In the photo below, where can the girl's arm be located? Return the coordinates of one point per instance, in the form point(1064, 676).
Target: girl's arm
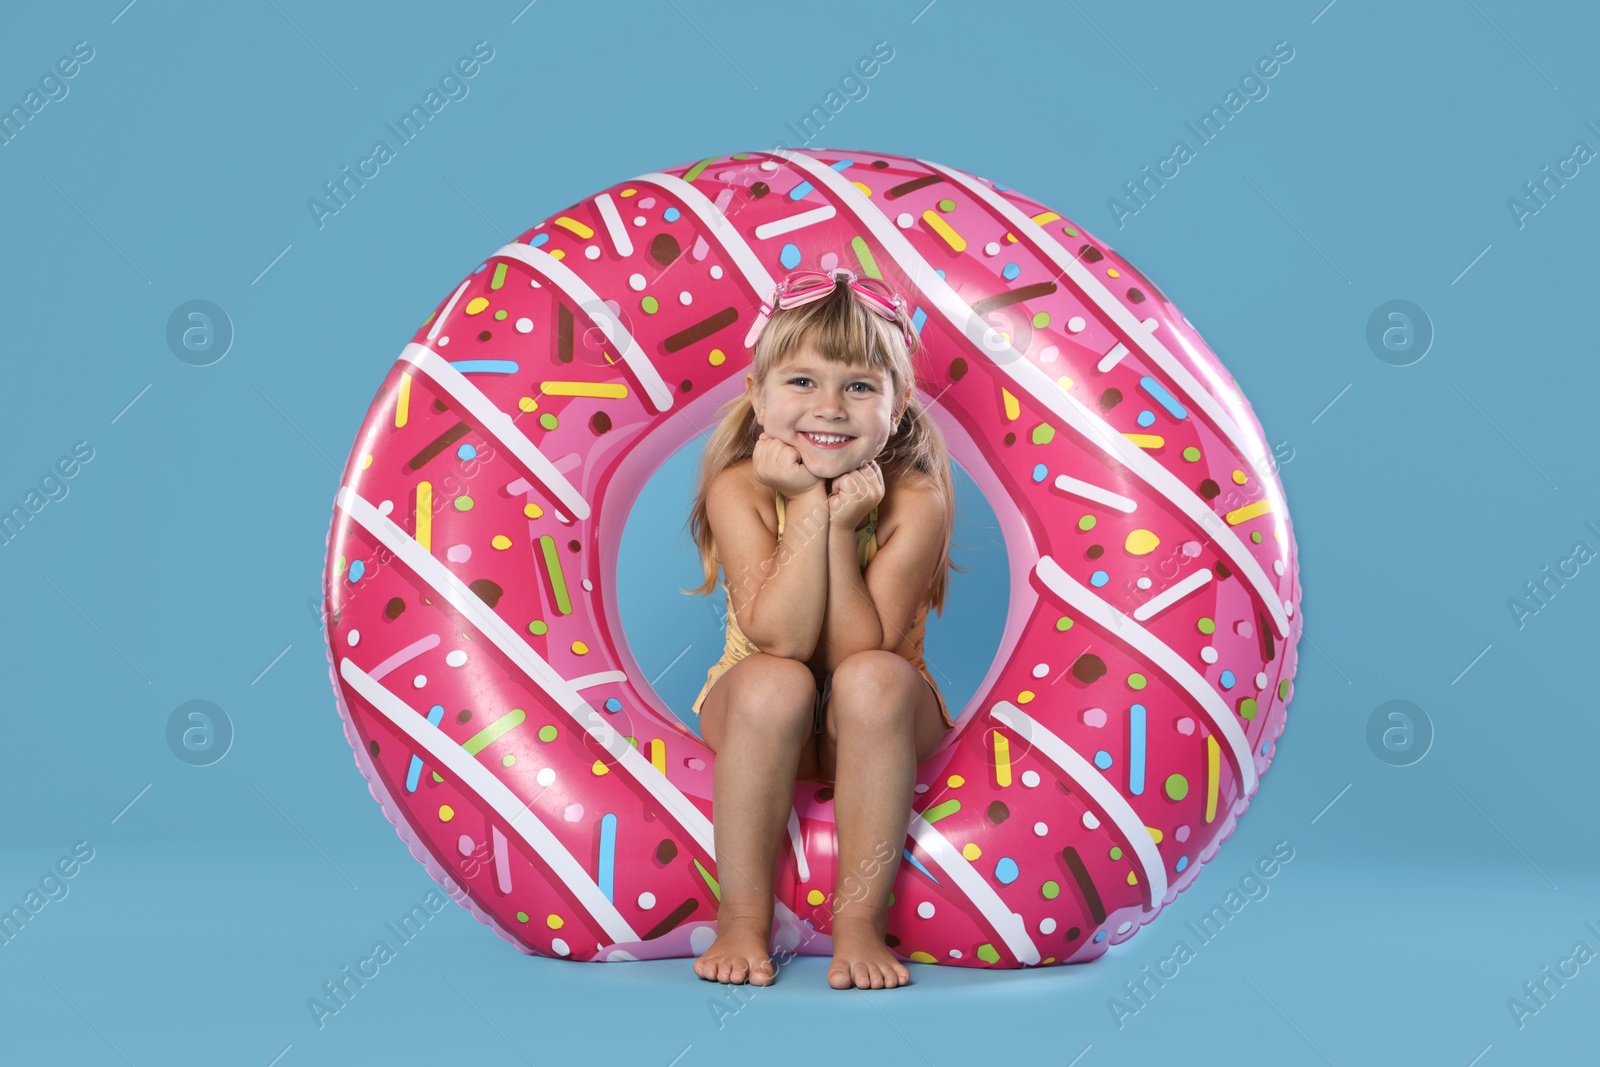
point(777, 587)
point(850, 619)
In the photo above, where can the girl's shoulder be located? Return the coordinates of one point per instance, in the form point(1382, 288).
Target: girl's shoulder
point(738, 478)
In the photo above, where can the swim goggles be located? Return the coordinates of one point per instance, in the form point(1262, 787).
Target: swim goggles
point(802, 287)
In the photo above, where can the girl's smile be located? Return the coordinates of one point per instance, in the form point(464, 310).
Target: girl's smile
point(837, 415)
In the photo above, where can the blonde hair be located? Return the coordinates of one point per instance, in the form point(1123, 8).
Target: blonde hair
point(843, 332)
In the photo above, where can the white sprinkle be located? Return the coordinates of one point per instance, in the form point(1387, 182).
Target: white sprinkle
point(716, 271)
point(1075, 324)
point(386, 507)
point(546, 776)
point(1047, 926)
point(592, 252)
point(1288, 608)
point(647, 901)
point(1040, 828)
point(456, 658)
point(1030, 778)
point(1049, 354)
point(638, 220)
point(560, 947)
point(685, 298)
point(992, 248)
point(1125, 927)
point(524, 325)
point(925, 909)
point(636, 282)
point(921, 788)
point(573, 812)
point(1208, 654)
point(443, 341)
point(768, 164)
point(419, 681)
point(588, 586)
point(354, 638)
point(1277, 567)
point(1041, 669)
point(903, 220)
point(1143, 583)
point(1091, 821)
point(955, 954)
point(1261, 680)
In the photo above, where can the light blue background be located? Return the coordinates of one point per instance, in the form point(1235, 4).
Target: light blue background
point(1377, 167)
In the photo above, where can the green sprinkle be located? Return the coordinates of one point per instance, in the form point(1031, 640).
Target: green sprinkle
point(547, 733)
point(650, 304)
point(1041, 319)
point(537, 626)
point(1086, 523)
point(1247, 708)
point(1191, 453)
point(1063, 623)
point(1136, 681)
point(1051, 890)
point(463, 503)
point(499, 278)
point(947, 205)
point(940, 811)
point(1043, 433)
point(1205, 625)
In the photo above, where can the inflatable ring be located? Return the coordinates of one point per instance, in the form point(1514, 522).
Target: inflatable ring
point(474, 640)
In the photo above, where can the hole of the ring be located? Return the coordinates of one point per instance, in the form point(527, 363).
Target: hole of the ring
point(675, 638)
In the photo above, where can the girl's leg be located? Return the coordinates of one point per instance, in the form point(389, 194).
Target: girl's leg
point(757, 718)
point(883, 720)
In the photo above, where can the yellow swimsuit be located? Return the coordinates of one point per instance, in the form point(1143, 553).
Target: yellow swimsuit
point(739, 646)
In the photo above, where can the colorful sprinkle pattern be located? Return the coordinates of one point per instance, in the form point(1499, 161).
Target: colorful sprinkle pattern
point(471, 570)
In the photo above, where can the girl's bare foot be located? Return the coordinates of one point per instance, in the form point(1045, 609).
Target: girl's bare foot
point(861, 959)
point(738, 954)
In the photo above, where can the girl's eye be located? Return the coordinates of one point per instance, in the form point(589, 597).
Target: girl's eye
point(803, 378)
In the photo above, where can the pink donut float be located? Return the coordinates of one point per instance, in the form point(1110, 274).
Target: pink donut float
point(475, 647)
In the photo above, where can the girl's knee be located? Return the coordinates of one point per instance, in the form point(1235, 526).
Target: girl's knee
point(774, 692)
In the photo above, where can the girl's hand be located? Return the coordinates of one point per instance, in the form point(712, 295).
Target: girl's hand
point(777, 465)
point(855, 493)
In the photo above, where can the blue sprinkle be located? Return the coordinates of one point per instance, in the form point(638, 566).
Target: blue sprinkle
point(940, 273)
point(480, 268)
point(671, 214)
point(466, 452)
point(1263, 748)
point(1040, 471)
point(357, 569)
point(485, 366)
point(1147, 418)
point(907, 853)
point(1183, 861)
point(998, 187)
point(790, 256)
point(414, 770)
point(1006, 870)
point(1159, 394)
point(918, 317)
point(1101, 936)
point(1102, 759)
point(799, 191)
point(613, 704)
point(1227, 679)
point(1011, 271)
point(539, 240)
point(844, 164)
point(1099, 578)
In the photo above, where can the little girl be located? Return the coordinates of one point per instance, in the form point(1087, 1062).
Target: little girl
point(824, 467)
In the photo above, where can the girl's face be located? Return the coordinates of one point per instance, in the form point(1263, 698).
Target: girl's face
point(806, 394)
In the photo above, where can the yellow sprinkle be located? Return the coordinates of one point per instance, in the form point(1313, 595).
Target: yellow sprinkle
point(446, 813)
point(1013, 409)
point(1133, 879)
point(580, 648)
point(403, 406)
point(476, 304)
point(1146, 440)
point(424, 534)
point(815, 897)
point(971, 851)
point(501, 541)
point(528, 403)
point(575, 226)
point(533, 511)
point(955, 781)
point(1240, 477)
point(366, 461)
point(1248, 512)
point(1002, 759)
point(560, 253)
point(1141, 542)
point(956, 242)
point(1155, 835)
point(1025, 697)
point(862, 186)
point(658, 754)
point(1045, 217)
point(555, 922)
point(717, 357)
point(1065, 382)
point(604, 390)
point(600, 768)
point(920, 956)
point(1112, 272)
